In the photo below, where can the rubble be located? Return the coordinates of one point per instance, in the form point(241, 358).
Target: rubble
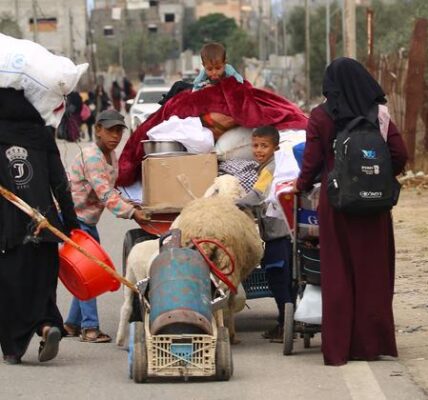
point(412, 180)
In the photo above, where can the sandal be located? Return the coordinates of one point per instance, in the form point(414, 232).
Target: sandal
point(49, 346)
point(72, 330)
point(93, 335)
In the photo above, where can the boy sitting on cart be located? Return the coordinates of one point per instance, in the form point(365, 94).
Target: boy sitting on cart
point(277, 258)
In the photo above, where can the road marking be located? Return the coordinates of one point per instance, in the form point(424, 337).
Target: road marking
point(361, 382)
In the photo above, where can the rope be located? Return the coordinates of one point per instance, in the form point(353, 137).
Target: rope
point(217, 272)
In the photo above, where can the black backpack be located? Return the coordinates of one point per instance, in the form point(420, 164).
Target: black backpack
point(362, 180)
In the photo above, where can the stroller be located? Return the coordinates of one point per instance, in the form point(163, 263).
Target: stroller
point(301, 217)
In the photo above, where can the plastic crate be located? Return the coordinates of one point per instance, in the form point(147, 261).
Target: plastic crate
point(181, 355)
point(256, 285)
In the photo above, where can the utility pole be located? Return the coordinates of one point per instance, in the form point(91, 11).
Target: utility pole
point(307, 55)
point(261, 33)
point(327, 33)
point(284, 25)
point(70, 34)
point(35, 24)
point(349, 29)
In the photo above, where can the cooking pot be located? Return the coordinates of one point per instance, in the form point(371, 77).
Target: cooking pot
point(162, 146)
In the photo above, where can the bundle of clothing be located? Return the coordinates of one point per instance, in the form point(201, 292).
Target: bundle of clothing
point(248, 106)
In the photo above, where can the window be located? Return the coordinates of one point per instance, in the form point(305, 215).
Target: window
point(108, 30)
point(169, 17)
point(43, 24)
point(153, 28)
point(153, 3)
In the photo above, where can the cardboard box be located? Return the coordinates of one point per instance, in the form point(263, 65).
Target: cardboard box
point(169, 182)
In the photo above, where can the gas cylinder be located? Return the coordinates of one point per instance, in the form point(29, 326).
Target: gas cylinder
point(180, 289)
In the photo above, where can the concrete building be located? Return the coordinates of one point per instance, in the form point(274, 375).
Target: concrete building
point(61, 25)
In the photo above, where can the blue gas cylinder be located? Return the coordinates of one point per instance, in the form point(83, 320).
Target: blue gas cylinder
point(180, 292)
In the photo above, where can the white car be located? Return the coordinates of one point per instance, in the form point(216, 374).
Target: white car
point(145, 103)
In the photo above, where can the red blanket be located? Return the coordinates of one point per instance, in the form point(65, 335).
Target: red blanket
point(250, 107)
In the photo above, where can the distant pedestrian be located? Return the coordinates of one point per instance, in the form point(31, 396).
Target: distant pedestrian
point(116, 96)
point(102, 101)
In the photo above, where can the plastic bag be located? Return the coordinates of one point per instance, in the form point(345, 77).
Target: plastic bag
point(85, 113)
point(309, 309)
point(188, 131)
point(45, 78)
point(236, 143)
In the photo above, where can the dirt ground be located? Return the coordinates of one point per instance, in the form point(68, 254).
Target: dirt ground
point(411, 290)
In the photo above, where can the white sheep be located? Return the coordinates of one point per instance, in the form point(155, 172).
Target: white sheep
point(214, 217)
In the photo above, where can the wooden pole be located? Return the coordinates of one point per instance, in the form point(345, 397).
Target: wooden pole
point(415, 84)
point(43, 223)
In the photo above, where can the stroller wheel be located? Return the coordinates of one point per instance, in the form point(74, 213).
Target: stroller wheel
point(307, 340)
point(288, 328)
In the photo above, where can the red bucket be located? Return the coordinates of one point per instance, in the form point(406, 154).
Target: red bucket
point(84, 278)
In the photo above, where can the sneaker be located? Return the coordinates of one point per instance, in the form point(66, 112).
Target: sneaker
point(275, 334)
point(12, 359)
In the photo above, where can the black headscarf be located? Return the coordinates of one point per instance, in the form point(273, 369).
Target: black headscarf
point(350, 90)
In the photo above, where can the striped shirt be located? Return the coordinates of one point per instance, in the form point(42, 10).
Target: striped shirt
point(92, 186)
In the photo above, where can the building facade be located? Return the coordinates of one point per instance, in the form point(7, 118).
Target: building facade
point(58, 25)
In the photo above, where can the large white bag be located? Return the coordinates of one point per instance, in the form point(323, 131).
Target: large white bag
point(44, 77)
point(309, 309)
point(236, 143)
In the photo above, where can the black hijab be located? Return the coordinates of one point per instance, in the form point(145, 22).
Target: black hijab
point(350, 90)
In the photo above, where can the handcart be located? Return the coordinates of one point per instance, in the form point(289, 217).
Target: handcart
point(180, 335)
point(300, 214)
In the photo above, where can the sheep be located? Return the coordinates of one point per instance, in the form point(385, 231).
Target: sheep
point(137, 267)
point(213, 216)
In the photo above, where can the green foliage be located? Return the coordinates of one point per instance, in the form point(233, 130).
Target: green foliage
point(107, 53)
point(211, 28)
point(148, 50)
point(239, 45)
point(10, 27)
point(393, 26)
point(157, 48)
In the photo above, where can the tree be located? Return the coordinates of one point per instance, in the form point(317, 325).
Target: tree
point(10, 27)
point(240, 45)
point(393, 26)
point(211, 28)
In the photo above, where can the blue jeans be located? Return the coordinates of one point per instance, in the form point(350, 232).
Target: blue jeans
point(84, 314)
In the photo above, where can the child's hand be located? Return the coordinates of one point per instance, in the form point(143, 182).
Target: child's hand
point(140, 216)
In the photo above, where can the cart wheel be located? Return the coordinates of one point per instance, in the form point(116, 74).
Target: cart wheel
point(223, 355)
point(288, 328)
point(132, 237)
point(138, 354)
point(307, 340)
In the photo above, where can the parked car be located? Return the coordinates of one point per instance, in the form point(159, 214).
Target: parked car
point(146, 102)
point(151, 80)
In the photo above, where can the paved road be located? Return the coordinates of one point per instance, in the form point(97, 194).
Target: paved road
point(99, 371)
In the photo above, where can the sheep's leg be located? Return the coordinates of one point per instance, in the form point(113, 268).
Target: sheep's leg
point(231, 321)
point(126, 309)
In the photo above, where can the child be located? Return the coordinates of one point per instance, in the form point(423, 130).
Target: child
point(213, 56)
point(93, 175)
point(277, 256)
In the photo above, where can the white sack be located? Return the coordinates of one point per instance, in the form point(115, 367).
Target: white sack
point(309, 309)
point(188, 131)
point(236, 143)
point(44, 77)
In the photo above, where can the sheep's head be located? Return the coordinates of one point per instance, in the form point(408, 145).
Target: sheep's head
point(226, 186)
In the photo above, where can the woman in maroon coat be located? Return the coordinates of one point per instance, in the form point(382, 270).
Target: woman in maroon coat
point(357, 252)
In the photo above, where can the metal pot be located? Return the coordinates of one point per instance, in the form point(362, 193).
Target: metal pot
point(162, 146)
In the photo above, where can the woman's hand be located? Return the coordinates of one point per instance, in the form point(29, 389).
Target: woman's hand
point(294, 187)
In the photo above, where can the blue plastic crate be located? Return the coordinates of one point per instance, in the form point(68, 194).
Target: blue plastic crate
point(256, 285)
